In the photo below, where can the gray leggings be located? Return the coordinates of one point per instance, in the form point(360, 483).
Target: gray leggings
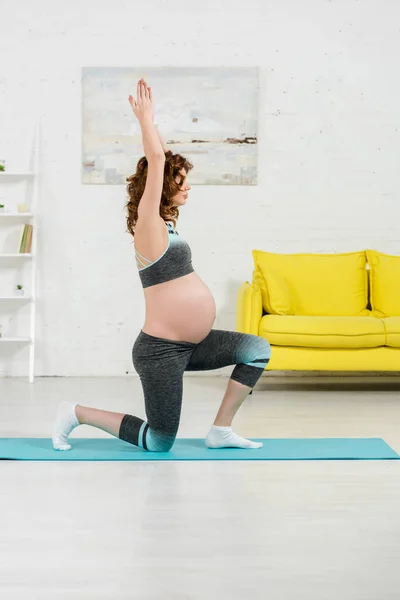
point(161, 363)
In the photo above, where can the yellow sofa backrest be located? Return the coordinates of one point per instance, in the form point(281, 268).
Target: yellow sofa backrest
point(385, 283)
point(312, 284)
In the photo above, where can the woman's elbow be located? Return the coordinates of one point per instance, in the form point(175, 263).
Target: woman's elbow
point(156, 157)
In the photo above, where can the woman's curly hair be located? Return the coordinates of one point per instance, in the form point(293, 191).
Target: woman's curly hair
point(137, 182)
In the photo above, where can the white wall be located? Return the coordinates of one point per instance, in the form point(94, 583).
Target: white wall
point(328, 151)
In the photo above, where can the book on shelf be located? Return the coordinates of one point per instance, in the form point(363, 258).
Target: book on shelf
point(28, 247)
point(23, 239)
point(26, 240)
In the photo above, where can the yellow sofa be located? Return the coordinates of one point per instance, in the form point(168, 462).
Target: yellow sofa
point(331, 312)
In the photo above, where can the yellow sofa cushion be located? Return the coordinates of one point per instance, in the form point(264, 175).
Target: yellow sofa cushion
point(275, 292)
point(385, 283)
point(323, 332)
point(285, 358)
point(312, 284)
point(392, 327)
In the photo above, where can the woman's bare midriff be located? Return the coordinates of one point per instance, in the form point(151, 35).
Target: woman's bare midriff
point(181, 309)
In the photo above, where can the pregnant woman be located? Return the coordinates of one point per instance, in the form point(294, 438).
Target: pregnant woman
point(177, 334)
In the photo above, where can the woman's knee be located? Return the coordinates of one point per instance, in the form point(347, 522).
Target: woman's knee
point(258, 349)
point(264, 347)
point(156, 441)
point(137, 432)
point(163, 447)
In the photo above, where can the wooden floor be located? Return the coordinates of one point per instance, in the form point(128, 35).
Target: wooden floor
point(318, 530)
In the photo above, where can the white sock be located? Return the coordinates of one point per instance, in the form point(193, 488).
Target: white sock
point(66, 421)
point(224, 437)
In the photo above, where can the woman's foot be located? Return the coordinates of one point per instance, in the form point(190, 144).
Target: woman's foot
point(224, 437)
point(66, 421)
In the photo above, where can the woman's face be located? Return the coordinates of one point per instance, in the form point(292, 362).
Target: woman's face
point(180, 198)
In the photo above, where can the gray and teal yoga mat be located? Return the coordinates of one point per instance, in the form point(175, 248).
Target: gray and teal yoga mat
point(113, 449)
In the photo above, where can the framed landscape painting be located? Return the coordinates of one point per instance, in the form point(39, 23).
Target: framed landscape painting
point(209, 115)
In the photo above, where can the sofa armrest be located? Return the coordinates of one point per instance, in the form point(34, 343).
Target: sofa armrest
point(248, 308)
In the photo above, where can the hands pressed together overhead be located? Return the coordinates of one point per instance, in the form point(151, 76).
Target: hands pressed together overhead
point(142, 106)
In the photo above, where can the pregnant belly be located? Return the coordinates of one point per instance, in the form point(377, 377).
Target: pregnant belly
point(182, 309)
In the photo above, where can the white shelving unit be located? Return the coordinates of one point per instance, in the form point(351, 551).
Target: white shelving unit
point(15, 215)
point(19, 256)
point(7, 178)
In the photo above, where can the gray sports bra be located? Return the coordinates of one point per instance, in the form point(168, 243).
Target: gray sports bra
point(174, 262)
